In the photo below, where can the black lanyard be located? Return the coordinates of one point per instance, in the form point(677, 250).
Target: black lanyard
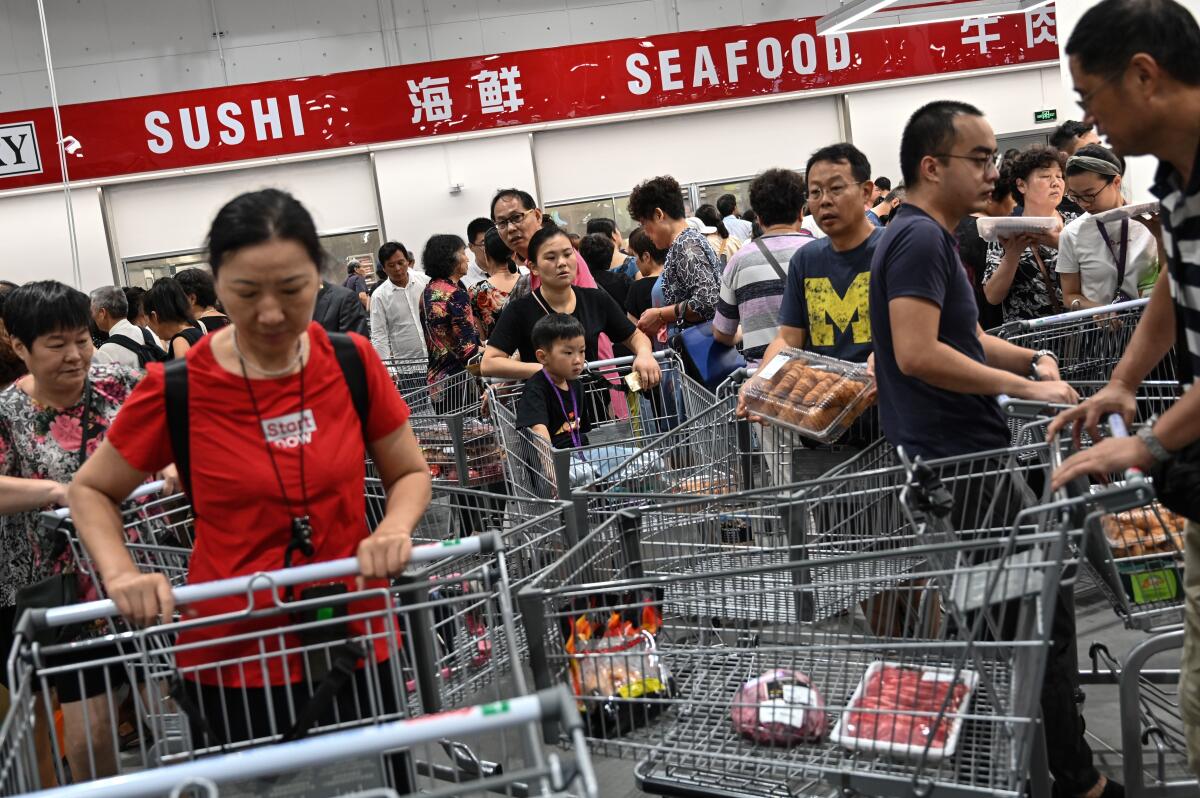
point(84, 418)
point(576, 439)
point(1124, 251)
point(302, 531)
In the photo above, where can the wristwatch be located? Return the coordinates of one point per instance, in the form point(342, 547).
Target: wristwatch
point(1038, 355)
point(1157, 450)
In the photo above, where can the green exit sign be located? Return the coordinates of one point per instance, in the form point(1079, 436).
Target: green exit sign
point(1049, 115)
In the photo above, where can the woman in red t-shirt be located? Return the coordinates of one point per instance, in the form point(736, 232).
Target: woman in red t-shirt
point(274, 438)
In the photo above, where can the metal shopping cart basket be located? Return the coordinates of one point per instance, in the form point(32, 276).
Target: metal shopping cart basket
point(684, 628)
point(271, 771)
point(352, 657)
point(1088, 343)
point(409, 375)
point(453, 425)
point(624, 423)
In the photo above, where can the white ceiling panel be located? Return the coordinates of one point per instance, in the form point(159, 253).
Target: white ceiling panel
point(489, 9)
point(12, 95)
point(258, 22)
point(36, 88)
point(344, 17)
point(169, 73)
point(414, 45)
point(89, 83)
point(342, 53)
point(265, 62)
point(526, 32)
point(456, 40)
point(150, 28)
point(618, 21)
point(444, 11)
point(698, 14)
point(78, 32)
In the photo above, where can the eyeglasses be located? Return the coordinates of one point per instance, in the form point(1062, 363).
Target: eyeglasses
point(982, 162)
point(512, 221)
point(1085, 100)
point(1086, 199)
point(815, 194)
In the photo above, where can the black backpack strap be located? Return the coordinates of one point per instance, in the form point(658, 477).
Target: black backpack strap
point(127, 343)
point(355, 375)
point(175, 376)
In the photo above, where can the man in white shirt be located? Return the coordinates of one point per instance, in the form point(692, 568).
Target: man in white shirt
point(396, 329)
point(127, 344)
point(738, 227)
point(476, 231)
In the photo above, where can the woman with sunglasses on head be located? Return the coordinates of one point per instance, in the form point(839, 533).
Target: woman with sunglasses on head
point(1101, 262)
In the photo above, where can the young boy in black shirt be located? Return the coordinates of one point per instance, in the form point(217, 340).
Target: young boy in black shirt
point(552, 403)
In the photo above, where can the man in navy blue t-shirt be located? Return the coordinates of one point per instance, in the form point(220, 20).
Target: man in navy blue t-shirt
point(939, 375)
point(938, 372)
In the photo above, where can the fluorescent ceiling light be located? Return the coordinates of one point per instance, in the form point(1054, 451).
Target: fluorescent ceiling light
point(848, 14)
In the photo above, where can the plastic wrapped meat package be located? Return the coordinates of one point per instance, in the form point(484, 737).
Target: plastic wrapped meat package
point(779, 708)
point(815, 395)
point(899, 710)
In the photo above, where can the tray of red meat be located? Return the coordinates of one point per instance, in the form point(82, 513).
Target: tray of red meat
point(898, 710)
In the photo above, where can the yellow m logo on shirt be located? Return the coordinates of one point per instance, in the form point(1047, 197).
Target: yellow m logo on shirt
point(825, 305)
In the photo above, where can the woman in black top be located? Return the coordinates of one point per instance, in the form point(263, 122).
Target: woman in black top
point(553, 257)
point(198, 285)
point(170, 316)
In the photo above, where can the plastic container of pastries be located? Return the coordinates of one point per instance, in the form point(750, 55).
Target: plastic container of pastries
point(1144, 530)
point(817, 396)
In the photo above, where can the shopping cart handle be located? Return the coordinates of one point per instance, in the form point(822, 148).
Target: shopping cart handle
point(661, 354)
point(1116, 425)
point(486, 543)
point(141, 490)
point(272, 760)
point(1025, 325)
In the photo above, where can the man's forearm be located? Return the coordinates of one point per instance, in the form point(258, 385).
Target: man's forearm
point(1002, 354)
point(945, 367)
point(1153, 338)
point(793, 337)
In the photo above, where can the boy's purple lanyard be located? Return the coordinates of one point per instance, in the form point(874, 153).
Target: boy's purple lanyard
point(576, 441)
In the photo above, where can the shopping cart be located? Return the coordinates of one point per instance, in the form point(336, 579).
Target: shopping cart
point(1088, 343)
point(661, 620)
point(623, 423)
point(439, 636)
point(409, 375)
point(772, 455)
point(453, 425)
point(354, 761)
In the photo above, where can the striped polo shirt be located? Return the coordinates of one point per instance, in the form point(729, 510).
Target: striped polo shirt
point(1181, 240)
point(752, 291)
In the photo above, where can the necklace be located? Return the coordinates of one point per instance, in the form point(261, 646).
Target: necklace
point(268, 372)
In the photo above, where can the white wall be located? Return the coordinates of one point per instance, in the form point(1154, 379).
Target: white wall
point(414, 184)
point(36, 244)
point(159, 216)
point(105, 49)
point(696, 147)
point(1008, 100)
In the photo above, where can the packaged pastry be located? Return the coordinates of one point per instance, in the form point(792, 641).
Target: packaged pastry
point(817, 396)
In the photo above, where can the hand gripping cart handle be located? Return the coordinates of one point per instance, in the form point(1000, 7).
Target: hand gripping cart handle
point(486, 543)
point(478, 721)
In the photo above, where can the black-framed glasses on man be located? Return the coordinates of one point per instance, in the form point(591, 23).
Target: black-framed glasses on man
point(512, 221)
point(1085, 98)
point(982, 162)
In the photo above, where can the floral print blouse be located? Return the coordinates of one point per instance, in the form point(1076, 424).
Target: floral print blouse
point(1029, 296)
point(487, 301)
point(692, 274)
point(450, 329)
point(39, 442)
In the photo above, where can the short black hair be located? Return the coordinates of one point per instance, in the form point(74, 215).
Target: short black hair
point(1032, 159)
point(388, 250)
point(527, 201)
point(45, 307)
point(712, 217)
point(777, 195)
point(749, 215)
point(555, 327)
point(440, 257)
point(1004, 186)
point(930, 131)
point(1095, 151)
point(843, 152)
point(133, 296)
point(198, 283)
point(597, 250)
point(601, 225)
point(642, 244)
point(477, 227)
point(1114, 31)
point(726, 203)
point(260, 216)
point(495, 248)
point(882, 183)
point(6, 287)
point(539, 239)
point(168, 301)
point(1067, 132)
point(658, 192)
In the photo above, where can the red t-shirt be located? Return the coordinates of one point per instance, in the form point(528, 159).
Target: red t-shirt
point(243, 523)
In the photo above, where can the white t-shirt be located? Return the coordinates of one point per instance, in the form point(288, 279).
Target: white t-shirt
point(810, 224)
point(1082, 251)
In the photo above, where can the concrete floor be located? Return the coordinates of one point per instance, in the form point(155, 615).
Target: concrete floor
point(1096, 622)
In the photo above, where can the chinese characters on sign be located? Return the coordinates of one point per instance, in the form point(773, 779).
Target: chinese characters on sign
point(499, 92)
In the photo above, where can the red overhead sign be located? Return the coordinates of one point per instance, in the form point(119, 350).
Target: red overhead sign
point(194, 128)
